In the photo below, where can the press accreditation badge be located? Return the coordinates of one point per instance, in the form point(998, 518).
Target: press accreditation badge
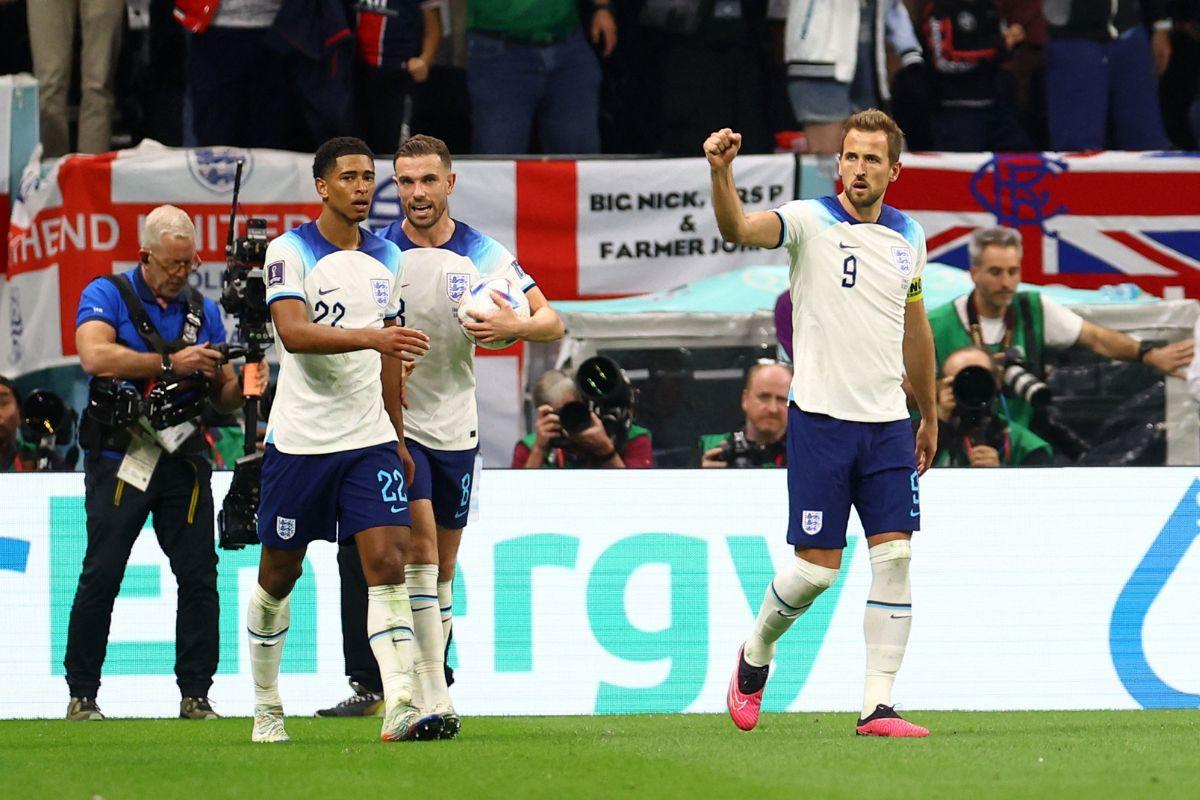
point(170, 438)
point(140, 460)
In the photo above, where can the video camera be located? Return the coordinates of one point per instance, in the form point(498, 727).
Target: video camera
point(605, 391)
point(1020, 382)
point(244, 295)
point(739, 452)
point(48, 422)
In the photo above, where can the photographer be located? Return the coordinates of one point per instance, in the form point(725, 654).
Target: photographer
point(585, 422)
point(1025, 324)
point(30, 428)
point(147, 339)
point(760, 442)
point(974, 431)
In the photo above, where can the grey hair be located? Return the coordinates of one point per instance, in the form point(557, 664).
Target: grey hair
point(166, 221)
point(552, 387)
point(999, 236)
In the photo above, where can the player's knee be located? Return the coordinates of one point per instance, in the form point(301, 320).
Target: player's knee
point(383, 568)
point(814, 574)
point(895, 550)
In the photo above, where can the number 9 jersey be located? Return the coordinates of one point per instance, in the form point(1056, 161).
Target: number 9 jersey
point(332, 403)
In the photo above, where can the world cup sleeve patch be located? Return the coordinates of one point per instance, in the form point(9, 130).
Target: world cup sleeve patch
point(275, 273)
point(914, 291)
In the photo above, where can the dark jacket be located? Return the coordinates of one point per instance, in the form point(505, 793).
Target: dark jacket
point(1099, 20)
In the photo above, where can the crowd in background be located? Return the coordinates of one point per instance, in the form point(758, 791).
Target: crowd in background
point(610, 76)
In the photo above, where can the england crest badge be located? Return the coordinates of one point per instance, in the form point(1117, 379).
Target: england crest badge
point(903, 258)
point(285, 528)
point(456, 285)
point(381, 290)
point(811, 522)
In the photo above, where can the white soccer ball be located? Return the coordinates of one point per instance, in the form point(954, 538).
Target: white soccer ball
point(478, 299)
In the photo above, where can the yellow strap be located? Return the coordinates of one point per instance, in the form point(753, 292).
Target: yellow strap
point(195, 498)
point(120, 490)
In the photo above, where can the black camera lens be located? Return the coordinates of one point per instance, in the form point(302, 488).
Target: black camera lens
point(600, 380)
point(575, 417)
point(974, 388)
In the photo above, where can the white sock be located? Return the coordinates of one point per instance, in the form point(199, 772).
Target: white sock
point(789, 595)
point(887, 621)
point(421, 580)
point(390, 632)
point(266, 627)
point(445, 592)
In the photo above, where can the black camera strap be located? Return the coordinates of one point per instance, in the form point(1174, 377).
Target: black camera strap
point(1033, 345)
point(976, 330)
point(145, 328)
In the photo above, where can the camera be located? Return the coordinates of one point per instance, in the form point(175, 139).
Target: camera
point(113, 403)
point(605, 391)
point(237, 521)
point(48, 422)
point(1022, 383)
point(176, 400)
point(974, 390)
point(244, 286)
point(739, 452)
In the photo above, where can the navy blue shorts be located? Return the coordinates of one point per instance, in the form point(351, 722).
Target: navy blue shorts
point(833, 464)
point(443, 477)
point(330, 496)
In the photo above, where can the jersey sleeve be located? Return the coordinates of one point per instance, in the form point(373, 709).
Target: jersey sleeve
point(495, 259)
point(395, 306)
point(284, 272)
point(1062, 326)
point(917, 235)
point(100, 300)
point(794, 217)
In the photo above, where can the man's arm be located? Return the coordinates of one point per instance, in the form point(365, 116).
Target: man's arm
point(392, 377)
point(758, 228)
point(919, 366)
point(418, 66)
point(1170, 359)
point(300, 335)
point(543, 324)
point(103, 357)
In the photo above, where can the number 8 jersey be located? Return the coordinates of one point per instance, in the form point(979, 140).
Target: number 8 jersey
point(850, 282)
point(332, 403)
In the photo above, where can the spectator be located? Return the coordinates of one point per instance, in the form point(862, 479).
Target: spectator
point(237, 85)
point(973, 432)
point(14, 38)
point(612, 443)
point(396, 42)
point(529, 62)
point(51, 39)
point(1025, 38)
point(760, 442)
point(1100, 73)
point(837, 64)
point(965, 43)
point(998, 317)
point(1179, 90)
point(711, 71)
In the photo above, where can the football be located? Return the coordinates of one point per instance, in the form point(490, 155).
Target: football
point(478, 299)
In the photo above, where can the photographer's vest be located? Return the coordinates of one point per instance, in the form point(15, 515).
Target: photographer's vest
point(557, 458)
point(1027, 329)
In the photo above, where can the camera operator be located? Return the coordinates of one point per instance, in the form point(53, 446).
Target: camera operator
point(974, 431)
point(15, 455)
point(1024, 324)
point(760, 442)
point(30, 429)
point(585, 422)
point(148, 340)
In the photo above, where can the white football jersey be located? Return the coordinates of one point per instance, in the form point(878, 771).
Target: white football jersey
point(441, 411)
point(332, 403)
point(850, 283)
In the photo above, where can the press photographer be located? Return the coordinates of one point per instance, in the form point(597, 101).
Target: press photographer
point(760, 442)
point(585, 422)
point(975, 430)
point(155, 350)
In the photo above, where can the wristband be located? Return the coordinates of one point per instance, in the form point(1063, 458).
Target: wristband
point(1145, 347)
point(606, 457)
point(166, 364)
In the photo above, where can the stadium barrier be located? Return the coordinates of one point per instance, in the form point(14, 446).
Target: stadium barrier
point(614, 592)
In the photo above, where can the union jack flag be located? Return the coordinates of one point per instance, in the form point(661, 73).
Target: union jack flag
point(1086, 219)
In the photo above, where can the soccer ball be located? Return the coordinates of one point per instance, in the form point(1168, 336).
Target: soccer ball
point(478, 299)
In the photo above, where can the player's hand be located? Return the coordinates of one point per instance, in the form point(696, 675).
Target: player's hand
point(262, 378)
point(1160, 45)
point(926, 444)
point(712, 459)
point(593, 438)
point(547, 428)
point(721, 147)
point(417, 69)
point(410, 466)
point(196, 358)
point(400, 342)
point(499, 325)
point(984, 456)
point(604, 31)
point(406, 369)
point(1171, 359)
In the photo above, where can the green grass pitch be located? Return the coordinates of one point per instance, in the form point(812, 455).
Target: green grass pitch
point(1073, 755)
